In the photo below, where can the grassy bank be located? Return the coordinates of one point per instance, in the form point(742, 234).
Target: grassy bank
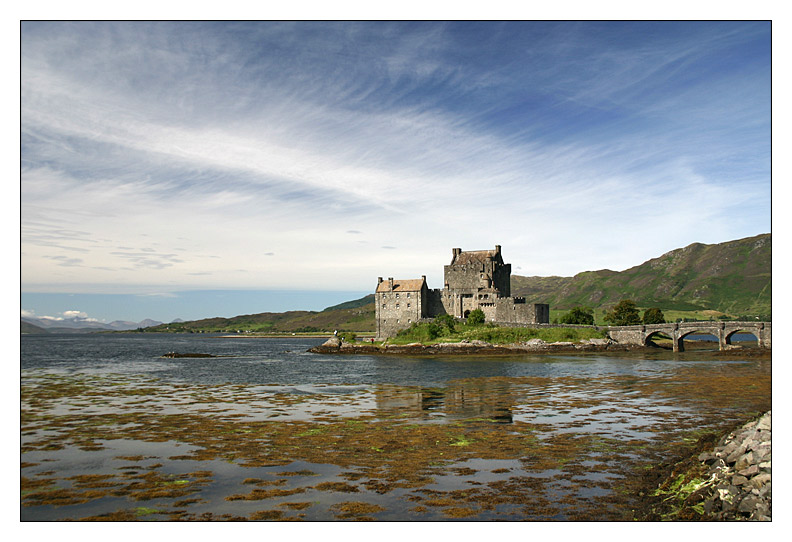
point(433, 332)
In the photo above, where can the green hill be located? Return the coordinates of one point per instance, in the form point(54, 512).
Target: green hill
point(363, 301)
point(732, 278)
point(357, 318)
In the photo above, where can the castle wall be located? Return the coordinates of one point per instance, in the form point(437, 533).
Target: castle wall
point(463, 277)
point(436, 304)
point(397, 310)
point(515, 309)
point(501, 279)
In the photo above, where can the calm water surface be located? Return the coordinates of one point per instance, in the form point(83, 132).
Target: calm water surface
point(269, 431)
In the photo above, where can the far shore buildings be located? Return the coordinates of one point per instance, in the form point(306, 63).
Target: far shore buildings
point(475, 279)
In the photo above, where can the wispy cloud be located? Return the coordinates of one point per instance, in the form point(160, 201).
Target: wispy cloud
point(171, 153)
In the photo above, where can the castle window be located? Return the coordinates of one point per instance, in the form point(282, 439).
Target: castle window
point(397, 305)
point(384, 306)
point(397, 296)
point(408, 305)
point(408, 294)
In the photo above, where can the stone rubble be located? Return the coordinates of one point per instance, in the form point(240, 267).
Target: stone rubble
point(740, 473)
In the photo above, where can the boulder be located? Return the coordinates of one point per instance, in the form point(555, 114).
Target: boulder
point(744, 461)
point(760, 480)
point(333, 342)
point(764, 423)
point(749, 503)
point(752, 470)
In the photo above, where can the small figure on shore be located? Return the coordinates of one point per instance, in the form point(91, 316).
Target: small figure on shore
point(335, 333)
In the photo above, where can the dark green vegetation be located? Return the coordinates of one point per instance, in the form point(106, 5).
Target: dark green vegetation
point(653, 316)
point(732, 278)
point(625, 313)
point(578, 315)
point(476, 317)
point(448, 330)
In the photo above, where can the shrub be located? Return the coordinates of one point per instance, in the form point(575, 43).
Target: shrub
point(579, 315)
point(653, 316)
point(476, 317)
point(446, 320)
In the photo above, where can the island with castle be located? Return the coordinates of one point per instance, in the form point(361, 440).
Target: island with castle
point(476, 279)
point(481, 280)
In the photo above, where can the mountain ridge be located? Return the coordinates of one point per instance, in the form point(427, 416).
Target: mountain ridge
point(733, 277)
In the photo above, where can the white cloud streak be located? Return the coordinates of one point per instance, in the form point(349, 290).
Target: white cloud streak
point(158, 155)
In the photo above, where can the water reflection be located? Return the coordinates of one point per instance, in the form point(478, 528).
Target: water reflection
point(460, 400)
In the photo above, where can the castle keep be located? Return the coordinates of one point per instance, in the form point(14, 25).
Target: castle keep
point(476, 279)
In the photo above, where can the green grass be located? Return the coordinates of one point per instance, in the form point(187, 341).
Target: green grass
point(430, 333)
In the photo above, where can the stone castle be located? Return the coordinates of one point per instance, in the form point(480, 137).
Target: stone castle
point(475, 279)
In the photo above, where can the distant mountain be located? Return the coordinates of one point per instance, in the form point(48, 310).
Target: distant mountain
point(732, 277)
point(83, 325)
point(27, 327)
point(122, 325)
point(72, 324)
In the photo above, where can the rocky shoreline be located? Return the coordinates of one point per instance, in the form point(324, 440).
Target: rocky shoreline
point(729, 481)
point(335, 345)
point(740, 474)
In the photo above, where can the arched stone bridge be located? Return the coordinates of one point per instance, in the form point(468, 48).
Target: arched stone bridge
point(642, 334)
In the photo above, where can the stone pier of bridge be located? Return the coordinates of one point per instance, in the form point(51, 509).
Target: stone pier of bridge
point(641, 335)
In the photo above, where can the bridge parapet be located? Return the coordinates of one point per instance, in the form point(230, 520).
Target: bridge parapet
point(641, 334)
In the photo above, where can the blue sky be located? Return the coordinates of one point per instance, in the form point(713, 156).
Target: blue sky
point(162, 160)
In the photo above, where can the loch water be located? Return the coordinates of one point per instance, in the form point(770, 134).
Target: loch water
point(267, 430)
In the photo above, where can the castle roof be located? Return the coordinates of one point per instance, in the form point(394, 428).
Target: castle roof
point(406, 285)
point(474, 256)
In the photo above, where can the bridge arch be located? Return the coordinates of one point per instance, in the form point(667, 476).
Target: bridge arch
point(746, 330)
point(652, 336)
point(713, 332)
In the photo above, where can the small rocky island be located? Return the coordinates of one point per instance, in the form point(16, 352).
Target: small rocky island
point(188, 355)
